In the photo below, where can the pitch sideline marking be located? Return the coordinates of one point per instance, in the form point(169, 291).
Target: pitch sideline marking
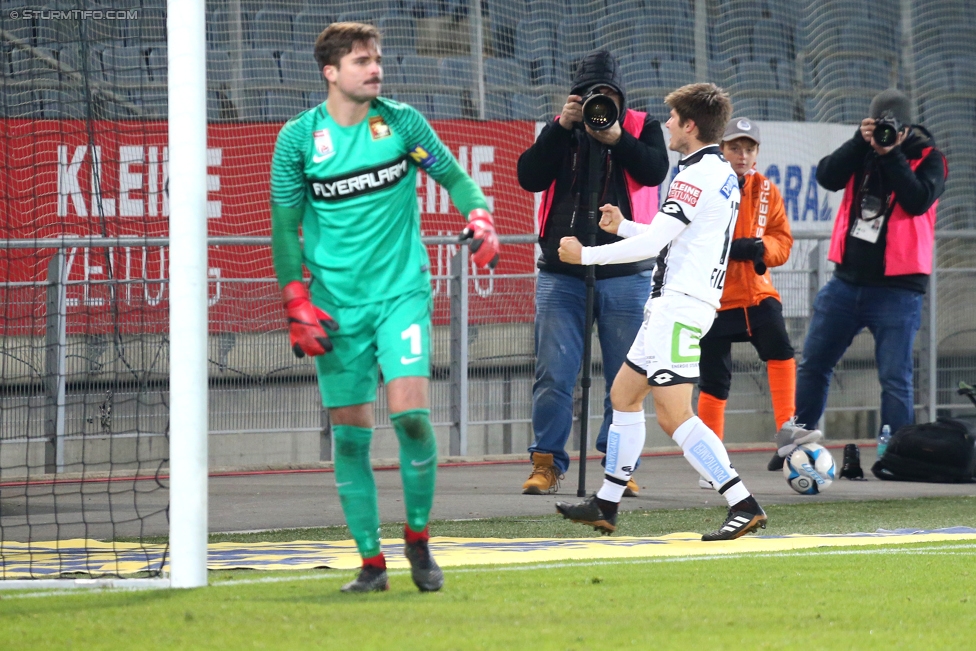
point(949, 549)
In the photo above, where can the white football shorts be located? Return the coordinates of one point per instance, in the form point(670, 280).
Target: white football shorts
point(666, 349)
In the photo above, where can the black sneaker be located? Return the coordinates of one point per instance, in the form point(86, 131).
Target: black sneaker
point(589, 512)
point(776, 463)
point(370, 579)
point(852, 463)
point(743, 518)
point(424, 571)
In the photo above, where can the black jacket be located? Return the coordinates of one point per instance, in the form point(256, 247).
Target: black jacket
point(560, 155)
point(915, 191)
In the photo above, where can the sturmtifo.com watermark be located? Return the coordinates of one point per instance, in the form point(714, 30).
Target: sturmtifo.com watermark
point(73, 14)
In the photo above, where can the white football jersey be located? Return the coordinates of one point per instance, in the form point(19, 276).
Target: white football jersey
point(705, 195)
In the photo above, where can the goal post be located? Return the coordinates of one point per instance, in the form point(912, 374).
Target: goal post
point(50, 483)
point(187, 51)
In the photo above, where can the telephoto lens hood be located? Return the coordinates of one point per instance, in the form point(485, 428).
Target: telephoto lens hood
point(599, 111)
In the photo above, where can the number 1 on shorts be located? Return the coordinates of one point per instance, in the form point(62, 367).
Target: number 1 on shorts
point(413, 334)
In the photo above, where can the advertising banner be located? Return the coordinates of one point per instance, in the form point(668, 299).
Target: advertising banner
point(75, 179)
point(104, 178)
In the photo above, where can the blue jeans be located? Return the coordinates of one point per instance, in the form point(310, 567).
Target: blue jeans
point(840, 311)
point(560, 318)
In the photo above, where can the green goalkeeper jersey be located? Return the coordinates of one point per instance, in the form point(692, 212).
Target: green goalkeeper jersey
point(354, 191)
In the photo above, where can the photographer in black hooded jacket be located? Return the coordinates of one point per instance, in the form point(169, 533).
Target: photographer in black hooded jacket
point(635, 162)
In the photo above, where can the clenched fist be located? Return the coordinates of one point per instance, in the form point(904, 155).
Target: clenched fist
point(570, 250)
point(610, 218)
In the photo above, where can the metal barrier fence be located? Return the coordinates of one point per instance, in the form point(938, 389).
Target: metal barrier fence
point(63, 389)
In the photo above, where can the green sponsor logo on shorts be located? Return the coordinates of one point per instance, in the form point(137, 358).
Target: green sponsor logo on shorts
point(684, 343)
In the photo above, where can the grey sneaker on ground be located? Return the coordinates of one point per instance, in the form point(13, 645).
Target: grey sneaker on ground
point(370, 579)
point(704, 483)
point(791, 435)
point(424, 571)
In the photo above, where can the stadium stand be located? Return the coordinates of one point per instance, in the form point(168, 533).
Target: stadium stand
point(399, 34)
point(307, 27)
point(533, 107)
point(534, 49)
point(781, 61)
point(271, 30)
point(574, 38)
point(419, 70)
point(298, 70)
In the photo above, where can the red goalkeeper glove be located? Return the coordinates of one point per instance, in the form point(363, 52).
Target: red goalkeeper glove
point(306, 323)
point(484, 241)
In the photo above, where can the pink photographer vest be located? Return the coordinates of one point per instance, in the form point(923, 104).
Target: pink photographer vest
point(910, 239)
point(643, 199)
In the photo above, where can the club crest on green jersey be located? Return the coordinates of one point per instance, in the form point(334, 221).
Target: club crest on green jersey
point(323, 145)
point(378, 128)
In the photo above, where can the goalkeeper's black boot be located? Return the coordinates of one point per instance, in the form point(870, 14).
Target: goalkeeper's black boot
point(591, 513)
point(424, 571)
point(372, 578)
point(852, 463)
point(744, 517)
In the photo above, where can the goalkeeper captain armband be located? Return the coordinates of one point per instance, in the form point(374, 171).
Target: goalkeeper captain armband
point(306, 323)
point(484, 244)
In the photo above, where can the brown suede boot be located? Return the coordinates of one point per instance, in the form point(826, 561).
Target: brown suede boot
point(632, 490)
point(544, 478)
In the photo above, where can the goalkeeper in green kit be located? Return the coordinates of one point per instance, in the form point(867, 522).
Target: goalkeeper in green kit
point(344, 173)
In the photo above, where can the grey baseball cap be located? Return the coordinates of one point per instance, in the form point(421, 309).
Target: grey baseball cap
point(741, 128)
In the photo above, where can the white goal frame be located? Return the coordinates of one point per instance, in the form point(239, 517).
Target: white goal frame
point(187, 95)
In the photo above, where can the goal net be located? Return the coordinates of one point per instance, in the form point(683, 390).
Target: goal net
point(84, 339)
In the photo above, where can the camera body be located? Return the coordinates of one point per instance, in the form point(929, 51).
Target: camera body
point(886, 129)
point(599, 111)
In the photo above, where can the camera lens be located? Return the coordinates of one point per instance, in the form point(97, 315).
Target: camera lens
point(599, 112)
point(885, 134)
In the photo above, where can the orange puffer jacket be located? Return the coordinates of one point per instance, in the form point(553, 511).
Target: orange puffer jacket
point(761, 214)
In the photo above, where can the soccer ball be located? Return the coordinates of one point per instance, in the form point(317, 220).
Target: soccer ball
point(809, 469)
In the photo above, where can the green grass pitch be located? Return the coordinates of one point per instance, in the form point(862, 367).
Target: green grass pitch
point(919, 596)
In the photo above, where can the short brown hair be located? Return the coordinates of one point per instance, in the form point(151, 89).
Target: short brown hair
point(338, 39)
point(707, 104)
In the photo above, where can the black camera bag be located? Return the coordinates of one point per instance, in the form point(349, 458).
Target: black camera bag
point(941, 452)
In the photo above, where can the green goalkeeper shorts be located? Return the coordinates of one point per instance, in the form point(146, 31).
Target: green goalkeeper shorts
point(391, 336)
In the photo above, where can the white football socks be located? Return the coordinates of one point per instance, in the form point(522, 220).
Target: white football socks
point(705, 452)
point(625, 441)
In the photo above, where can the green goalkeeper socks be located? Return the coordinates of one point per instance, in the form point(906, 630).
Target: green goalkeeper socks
point(357, 489)
point(418, 464)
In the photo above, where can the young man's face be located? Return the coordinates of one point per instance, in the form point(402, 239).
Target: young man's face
point(741, 154)
point(678, 131)
point(359, 75)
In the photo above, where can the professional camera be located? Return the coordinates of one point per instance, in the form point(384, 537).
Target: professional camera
point(599, 111)
point(886, 129)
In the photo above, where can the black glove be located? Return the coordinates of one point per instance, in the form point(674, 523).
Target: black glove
point(749, 248)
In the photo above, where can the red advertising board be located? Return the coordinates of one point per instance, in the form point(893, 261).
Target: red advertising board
point(74, 178)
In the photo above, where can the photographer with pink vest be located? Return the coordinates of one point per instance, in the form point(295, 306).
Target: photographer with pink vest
point(635, 163)
point(892, 176)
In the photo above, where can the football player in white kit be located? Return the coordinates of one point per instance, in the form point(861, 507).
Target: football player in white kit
point(690, 236)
